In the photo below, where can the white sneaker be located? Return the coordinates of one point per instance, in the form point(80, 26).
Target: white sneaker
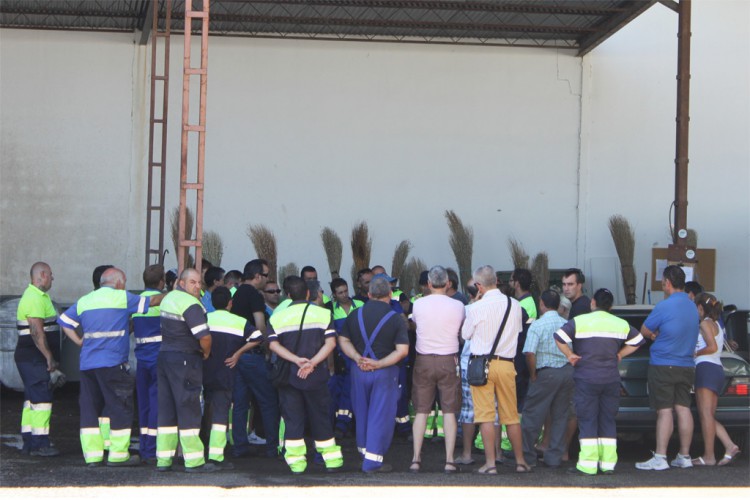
point(655, 463)
point(682, 461)
point(254, 439)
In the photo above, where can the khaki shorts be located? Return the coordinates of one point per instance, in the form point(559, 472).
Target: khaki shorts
point(501, 384)
point(669, 386)
point(436, 373)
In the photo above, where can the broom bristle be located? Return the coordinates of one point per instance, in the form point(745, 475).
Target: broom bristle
point(213, 247)
point(624, 240)
point(264, 242)
point(174, 221)
point(462, 244)
point(361, 246)
point(290, 269)
point(540, 271)
point(333, 249)
point(409, 279)
point(399, 258)
point(517, 254)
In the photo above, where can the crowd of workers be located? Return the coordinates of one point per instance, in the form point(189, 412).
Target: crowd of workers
point(380, 364)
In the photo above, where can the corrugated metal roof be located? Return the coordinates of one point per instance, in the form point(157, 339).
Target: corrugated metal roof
point(575, 24)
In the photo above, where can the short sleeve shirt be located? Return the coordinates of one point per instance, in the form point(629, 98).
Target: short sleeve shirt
point(676, 321)
point(246, 301)
point(582, 305)
point(392, 333)
point(36, 304)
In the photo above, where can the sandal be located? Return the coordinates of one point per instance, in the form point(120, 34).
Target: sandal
point(463, 461)
point(729, 457)
point(417, 469)
point(523, 468)
point(699, 462)
point(453, 470)
point(489, 471)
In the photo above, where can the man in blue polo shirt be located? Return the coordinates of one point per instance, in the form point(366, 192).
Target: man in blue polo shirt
point(673, 328)
point(105, 374)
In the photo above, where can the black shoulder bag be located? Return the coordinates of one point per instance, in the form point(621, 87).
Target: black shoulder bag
point(479, 366)
point(281, 368)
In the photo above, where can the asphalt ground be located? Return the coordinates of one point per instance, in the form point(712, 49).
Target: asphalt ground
point(60, 474)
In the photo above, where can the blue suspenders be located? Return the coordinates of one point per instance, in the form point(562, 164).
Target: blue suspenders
point(368, 352)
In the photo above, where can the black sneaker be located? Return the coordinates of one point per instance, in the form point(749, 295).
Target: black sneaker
point(207, 467)
point(163, 468)
point(383, 469)
point(48, 451)
point(95, 465)
point(133, 461)
point(222, 465)
point(575, 472)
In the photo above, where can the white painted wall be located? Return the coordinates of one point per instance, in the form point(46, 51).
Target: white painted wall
point(629, 142)
point(304, 134)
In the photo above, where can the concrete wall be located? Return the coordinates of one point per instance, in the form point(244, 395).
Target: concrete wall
point(305, 134)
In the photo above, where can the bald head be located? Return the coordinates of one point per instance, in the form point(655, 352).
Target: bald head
point(190, 281)
point(113, 278)
point(41, 276)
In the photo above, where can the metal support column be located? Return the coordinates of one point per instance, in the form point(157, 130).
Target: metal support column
point(678, 250)
point(157, 168)
point(200, 129)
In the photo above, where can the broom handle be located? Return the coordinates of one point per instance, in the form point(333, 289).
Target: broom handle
point(645, 280)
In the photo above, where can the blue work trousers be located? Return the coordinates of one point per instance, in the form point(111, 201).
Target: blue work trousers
point(251, 375)
point(148, 405)
point(375, 397)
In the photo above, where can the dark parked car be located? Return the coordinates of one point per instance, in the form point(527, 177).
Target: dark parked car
point(733, 408)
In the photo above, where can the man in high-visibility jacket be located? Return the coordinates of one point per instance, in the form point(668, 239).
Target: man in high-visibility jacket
point(147, 332)
point(104, 315)
point(36, 356)
point(303, 335)
point(186, 342)
point(599, 341)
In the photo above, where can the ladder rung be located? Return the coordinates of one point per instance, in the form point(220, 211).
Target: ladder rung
point(193, 185)
point(196, 14)
point(155, 252)
point(156, 165)
point(188, 243)
point(160, 77)
point(158, 120)
point(195, 71)
point(194, 128)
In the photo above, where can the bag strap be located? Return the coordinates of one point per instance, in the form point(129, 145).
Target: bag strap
point(370, 339)
point(299, 333)
point(502, 327)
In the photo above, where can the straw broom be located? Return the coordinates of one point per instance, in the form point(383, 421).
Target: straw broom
point(174, 221)
point(264, 242)
point(624, 240)
point(540, 272)
point(409, 279)
point(333, 249)
point(290, 269)
point(361, 248)
point(399, 258)
point(462, 244)
point(518, 254)
point(213, 247)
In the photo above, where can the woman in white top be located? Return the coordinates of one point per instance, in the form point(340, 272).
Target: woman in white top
point(709, 381)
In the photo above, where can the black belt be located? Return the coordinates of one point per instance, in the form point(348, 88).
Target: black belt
point(492, 357)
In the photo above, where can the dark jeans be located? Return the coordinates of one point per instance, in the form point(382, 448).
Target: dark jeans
point(251, 376)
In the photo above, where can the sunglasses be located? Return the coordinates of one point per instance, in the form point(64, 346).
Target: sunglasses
point(272, 291)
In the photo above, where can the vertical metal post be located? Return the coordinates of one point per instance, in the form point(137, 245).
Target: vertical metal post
point(678, 251)
point(196, 186)
point(157, 169)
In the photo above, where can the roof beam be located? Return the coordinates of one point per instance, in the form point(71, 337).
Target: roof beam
point(147, 22)
point(632, 9)
point(671, 4)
